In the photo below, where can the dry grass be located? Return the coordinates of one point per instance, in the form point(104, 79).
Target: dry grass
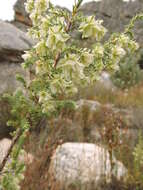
point(69, 127)
point(120, 98)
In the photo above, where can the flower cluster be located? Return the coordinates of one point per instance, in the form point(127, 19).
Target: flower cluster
point(36, 9)
point(128, 44)
point(119, 47)
point(56, 38)
point(92, 28)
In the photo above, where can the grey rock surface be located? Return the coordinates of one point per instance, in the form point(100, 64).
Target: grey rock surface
point(92, 105)
point(4, 146)
point(83, 163)
point(21, 17)
point(13, 42)
point(8, 71)
point(105, 80)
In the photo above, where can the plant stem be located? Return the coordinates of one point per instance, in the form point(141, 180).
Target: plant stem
point(69, 24)
point(14, 141)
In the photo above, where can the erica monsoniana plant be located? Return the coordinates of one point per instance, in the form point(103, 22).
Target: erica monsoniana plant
point(57, 68)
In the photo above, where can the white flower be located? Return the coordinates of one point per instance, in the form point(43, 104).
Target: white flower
point(71, 67)
point(44, 27)
point(127, 43)
point(41, 5)
point(34, 16)
point(98, 51)
point(39, 68)
point(48, 106)
point(56, 86)
point(118, 51)
point(92, 28)
point(29, 6)
point(41, 48)
point(44, 96)
point(86, 58)
point(56, 38)
point(26, 56)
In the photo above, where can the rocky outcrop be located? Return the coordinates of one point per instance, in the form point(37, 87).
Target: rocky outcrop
point(13, 43)
point(21, 18)
point(116, 14)
point(85, 164)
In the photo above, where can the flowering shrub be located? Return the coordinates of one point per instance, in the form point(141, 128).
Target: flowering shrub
point(57, 68)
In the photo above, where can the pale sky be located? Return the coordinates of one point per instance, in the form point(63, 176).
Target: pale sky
point(6, 7)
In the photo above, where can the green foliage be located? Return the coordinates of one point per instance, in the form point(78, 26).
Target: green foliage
point(13, 171)
point(138, 153)
point(57, 68)
point(138, 162)
point(128, 74)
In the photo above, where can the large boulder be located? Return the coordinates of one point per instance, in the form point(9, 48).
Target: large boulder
point(85, 164)
point(4, 146)
point(13, 43)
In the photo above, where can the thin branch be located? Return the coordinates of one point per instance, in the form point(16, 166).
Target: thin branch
point(79, 3)
point(14, 141)
point(57, 59)
point(69, 24)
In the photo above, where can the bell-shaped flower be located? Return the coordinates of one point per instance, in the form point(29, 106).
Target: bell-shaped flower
point(118, 51)
point(57, 86)
point(56, 38)
point(48, 107)
point(29, 6)
point(116, 54)
point(91, 28)
point(27, 55)
point(44, 96)
point(39, 67)
point(86, 58)
point(44, 27)
point(71, 67)
point(98, 51)
point(41, 5)
point(35, 17)
point(41, 48)
point(127, 43)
